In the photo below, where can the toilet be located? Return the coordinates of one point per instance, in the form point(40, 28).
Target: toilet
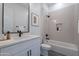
point(44, 49)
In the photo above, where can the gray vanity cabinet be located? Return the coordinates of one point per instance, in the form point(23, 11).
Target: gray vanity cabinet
point(26, 48)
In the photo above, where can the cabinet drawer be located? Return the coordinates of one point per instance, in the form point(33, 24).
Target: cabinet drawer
point(19, 46)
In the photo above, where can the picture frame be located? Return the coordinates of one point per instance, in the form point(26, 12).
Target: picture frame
point(34, 19)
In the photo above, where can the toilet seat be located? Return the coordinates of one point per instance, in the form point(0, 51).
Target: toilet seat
point(45, 49)
point(46, 46)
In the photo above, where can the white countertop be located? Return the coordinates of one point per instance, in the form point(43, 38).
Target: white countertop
point(15, 39)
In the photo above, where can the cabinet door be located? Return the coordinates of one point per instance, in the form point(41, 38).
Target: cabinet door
point(25, 52)
point(5, 54)
point(21, 53)
point(35, 50)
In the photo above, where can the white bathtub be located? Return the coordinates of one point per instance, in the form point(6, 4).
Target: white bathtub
point(63, 48)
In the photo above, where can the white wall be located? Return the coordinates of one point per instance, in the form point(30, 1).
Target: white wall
point(35, 8)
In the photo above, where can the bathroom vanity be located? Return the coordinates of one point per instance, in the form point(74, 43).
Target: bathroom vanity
point(15, 17)
point(27, 45)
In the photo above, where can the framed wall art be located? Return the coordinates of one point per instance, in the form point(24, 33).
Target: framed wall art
point(34, 19)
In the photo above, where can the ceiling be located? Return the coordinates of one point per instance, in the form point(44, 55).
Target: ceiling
point(23, 4)
point(50, 4)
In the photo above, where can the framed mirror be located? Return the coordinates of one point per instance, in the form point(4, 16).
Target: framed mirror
point(15, 17)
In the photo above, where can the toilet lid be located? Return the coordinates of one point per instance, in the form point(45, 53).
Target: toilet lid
point(46, 46)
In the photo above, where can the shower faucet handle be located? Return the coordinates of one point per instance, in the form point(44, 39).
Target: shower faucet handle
point(46, 35)
point(47, 38)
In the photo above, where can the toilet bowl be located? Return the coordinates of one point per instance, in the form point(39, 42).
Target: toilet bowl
point(44, 49)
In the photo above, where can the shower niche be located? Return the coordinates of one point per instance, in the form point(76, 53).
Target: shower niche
point(59, 27)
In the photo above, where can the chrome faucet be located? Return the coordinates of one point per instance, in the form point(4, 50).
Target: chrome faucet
point(20, 33)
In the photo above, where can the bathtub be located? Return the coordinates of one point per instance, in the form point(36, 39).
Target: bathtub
point(64, 48)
